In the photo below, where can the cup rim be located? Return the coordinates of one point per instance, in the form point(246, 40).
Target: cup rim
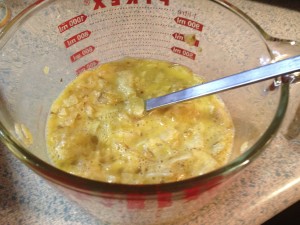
point(93, 187)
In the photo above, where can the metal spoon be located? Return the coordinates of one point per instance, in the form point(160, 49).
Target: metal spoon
point(269, 71)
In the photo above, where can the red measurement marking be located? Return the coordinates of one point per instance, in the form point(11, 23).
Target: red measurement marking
point(135, 201)
point(82, 53)
point(88, 66)
point(72, 23)
point(76, 38)
point(189, 23)
point(178, 36)
point(181, 37)
point(192, 194)
point(164, 200)
point(184, 52)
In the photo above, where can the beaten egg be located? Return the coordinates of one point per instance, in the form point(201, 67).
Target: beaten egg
point(98, 128)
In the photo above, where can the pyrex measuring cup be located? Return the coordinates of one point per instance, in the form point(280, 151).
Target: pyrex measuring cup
point(51, 42)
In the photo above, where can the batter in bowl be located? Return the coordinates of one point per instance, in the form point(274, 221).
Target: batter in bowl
point(98, 128)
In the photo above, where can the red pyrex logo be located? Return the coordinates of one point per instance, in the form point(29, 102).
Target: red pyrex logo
point(103, 3)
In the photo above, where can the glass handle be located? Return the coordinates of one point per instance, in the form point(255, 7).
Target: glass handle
point(279, 48)
point(282, 48)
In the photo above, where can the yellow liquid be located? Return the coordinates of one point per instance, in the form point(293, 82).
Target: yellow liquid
point(98, 128)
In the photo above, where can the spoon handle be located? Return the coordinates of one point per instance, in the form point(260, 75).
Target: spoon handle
point(269, 71)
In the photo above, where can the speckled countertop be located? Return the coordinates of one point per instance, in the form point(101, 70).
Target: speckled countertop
point(266, 187)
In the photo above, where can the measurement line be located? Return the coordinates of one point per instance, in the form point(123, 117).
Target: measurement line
point(131, 8)
point(130, 46)
point(134, 24)
point(130, 32)
point(134, 15)
point(136, 53)
point(133, 39)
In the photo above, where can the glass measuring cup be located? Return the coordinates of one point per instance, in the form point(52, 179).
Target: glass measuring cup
point(38, 62)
